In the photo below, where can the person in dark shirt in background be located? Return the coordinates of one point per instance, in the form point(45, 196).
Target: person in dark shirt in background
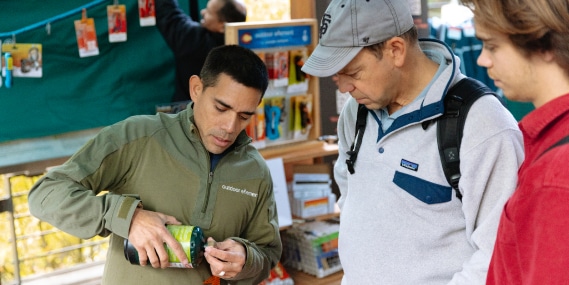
point(191, 41)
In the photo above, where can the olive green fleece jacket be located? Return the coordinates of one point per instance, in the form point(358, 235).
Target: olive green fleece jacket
point(161, 160)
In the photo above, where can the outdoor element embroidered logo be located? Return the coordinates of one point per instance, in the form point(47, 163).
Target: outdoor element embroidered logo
point(409, 165)
point(237, 190)
point(326, 19)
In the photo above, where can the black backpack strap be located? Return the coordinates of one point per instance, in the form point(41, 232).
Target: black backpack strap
point(359, 134)
point(458, 101)
point(558, 143)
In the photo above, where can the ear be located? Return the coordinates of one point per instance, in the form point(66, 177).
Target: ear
point(396, 48)
point(196, 87)
point(548, 56)
point(216, 25)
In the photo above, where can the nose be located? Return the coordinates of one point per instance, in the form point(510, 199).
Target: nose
point(344, 84)
point(231, 123)
point(483, 59)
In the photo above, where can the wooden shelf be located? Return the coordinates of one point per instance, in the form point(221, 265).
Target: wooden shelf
point(299, 151)
point(325, 217)
point(302, 278)
point(299, 220)
point(310, 151)
point(306, 152)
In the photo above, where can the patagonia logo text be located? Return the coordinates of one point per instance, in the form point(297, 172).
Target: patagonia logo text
point(237, 190)
point(409, 165)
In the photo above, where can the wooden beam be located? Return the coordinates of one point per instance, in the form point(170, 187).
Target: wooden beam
point(302, 9)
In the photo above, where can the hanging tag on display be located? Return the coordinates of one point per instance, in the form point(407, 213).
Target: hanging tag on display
point(8, 65)
point(26, 59)
point(86, 36)
point(1, 66)
point(297, 79)
point(277, 66)
point(116, 15)
point(454, 33)
point(468, 30)
point(146, 13)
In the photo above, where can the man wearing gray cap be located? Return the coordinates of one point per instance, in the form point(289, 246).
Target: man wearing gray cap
point(400, 223)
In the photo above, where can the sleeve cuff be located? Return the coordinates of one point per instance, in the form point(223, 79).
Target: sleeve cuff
point(122, 217)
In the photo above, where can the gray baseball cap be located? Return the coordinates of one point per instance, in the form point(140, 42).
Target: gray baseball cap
point(349, 25)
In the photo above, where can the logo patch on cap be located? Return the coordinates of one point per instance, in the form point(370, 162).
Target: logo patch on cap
point(326, 19)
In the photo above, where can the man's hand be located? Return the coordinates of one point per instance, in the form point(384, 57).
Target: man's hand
point(226, 258)
point(148, 233)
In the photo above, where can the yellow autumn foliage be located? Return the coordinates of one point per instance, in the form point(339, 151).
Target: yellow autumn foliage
point(41, 247)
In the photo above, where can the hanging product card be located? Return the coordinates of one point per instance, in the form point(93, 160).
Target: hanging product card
point(116, 16)
point(146, 13)
point(1, 64)
point(468, 30)
point(454, 33)
point(300, 118)
point(297, 79)
point(256, 128)
point(277, 66)
point(276, 118)
point(86, 36)
point(26, 59)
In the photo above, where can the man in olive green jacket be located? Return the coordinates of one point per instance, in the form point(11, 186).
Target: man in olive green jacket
point(193, 168)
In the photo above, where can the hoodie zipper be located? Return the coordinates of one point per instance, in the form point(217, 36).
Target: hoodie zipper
point(210, 177)
point(208, 190)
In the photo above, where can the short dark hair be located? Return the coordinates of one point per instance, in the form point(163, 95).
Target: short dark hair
point(230, 13)
point(239, 63)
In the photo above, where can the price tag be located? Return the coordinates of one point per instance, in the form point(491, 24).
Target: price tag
point(468, 30)
point(454, 33)
point(116, 17)
point(86, 36)
point(146, 13)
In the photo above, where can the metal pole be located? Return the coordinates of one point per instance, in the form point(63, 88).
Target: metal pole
point(8, 186)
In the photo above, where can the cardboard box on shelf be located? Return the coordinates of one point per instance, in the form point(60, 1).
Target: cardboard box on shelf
point(312, 207)
point(310, 191)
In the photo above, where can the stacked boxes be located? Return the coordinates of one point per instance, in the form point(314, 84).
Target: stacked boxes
point(311, 194)
point(313, 248)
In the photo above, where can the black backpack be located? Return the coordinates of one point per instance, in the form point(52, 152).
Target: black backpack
point(457, 102)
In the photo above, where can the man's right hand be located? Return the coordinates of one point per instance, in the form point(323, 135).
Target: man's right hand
point(148, 233)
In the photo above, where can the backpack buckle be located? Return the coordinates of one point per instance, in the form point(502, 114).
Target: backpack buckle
point(350, 164)
point(453, 106)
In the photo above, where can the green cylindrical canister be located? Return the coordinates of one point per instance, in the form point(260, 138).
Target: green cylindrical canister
point(191, 238)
